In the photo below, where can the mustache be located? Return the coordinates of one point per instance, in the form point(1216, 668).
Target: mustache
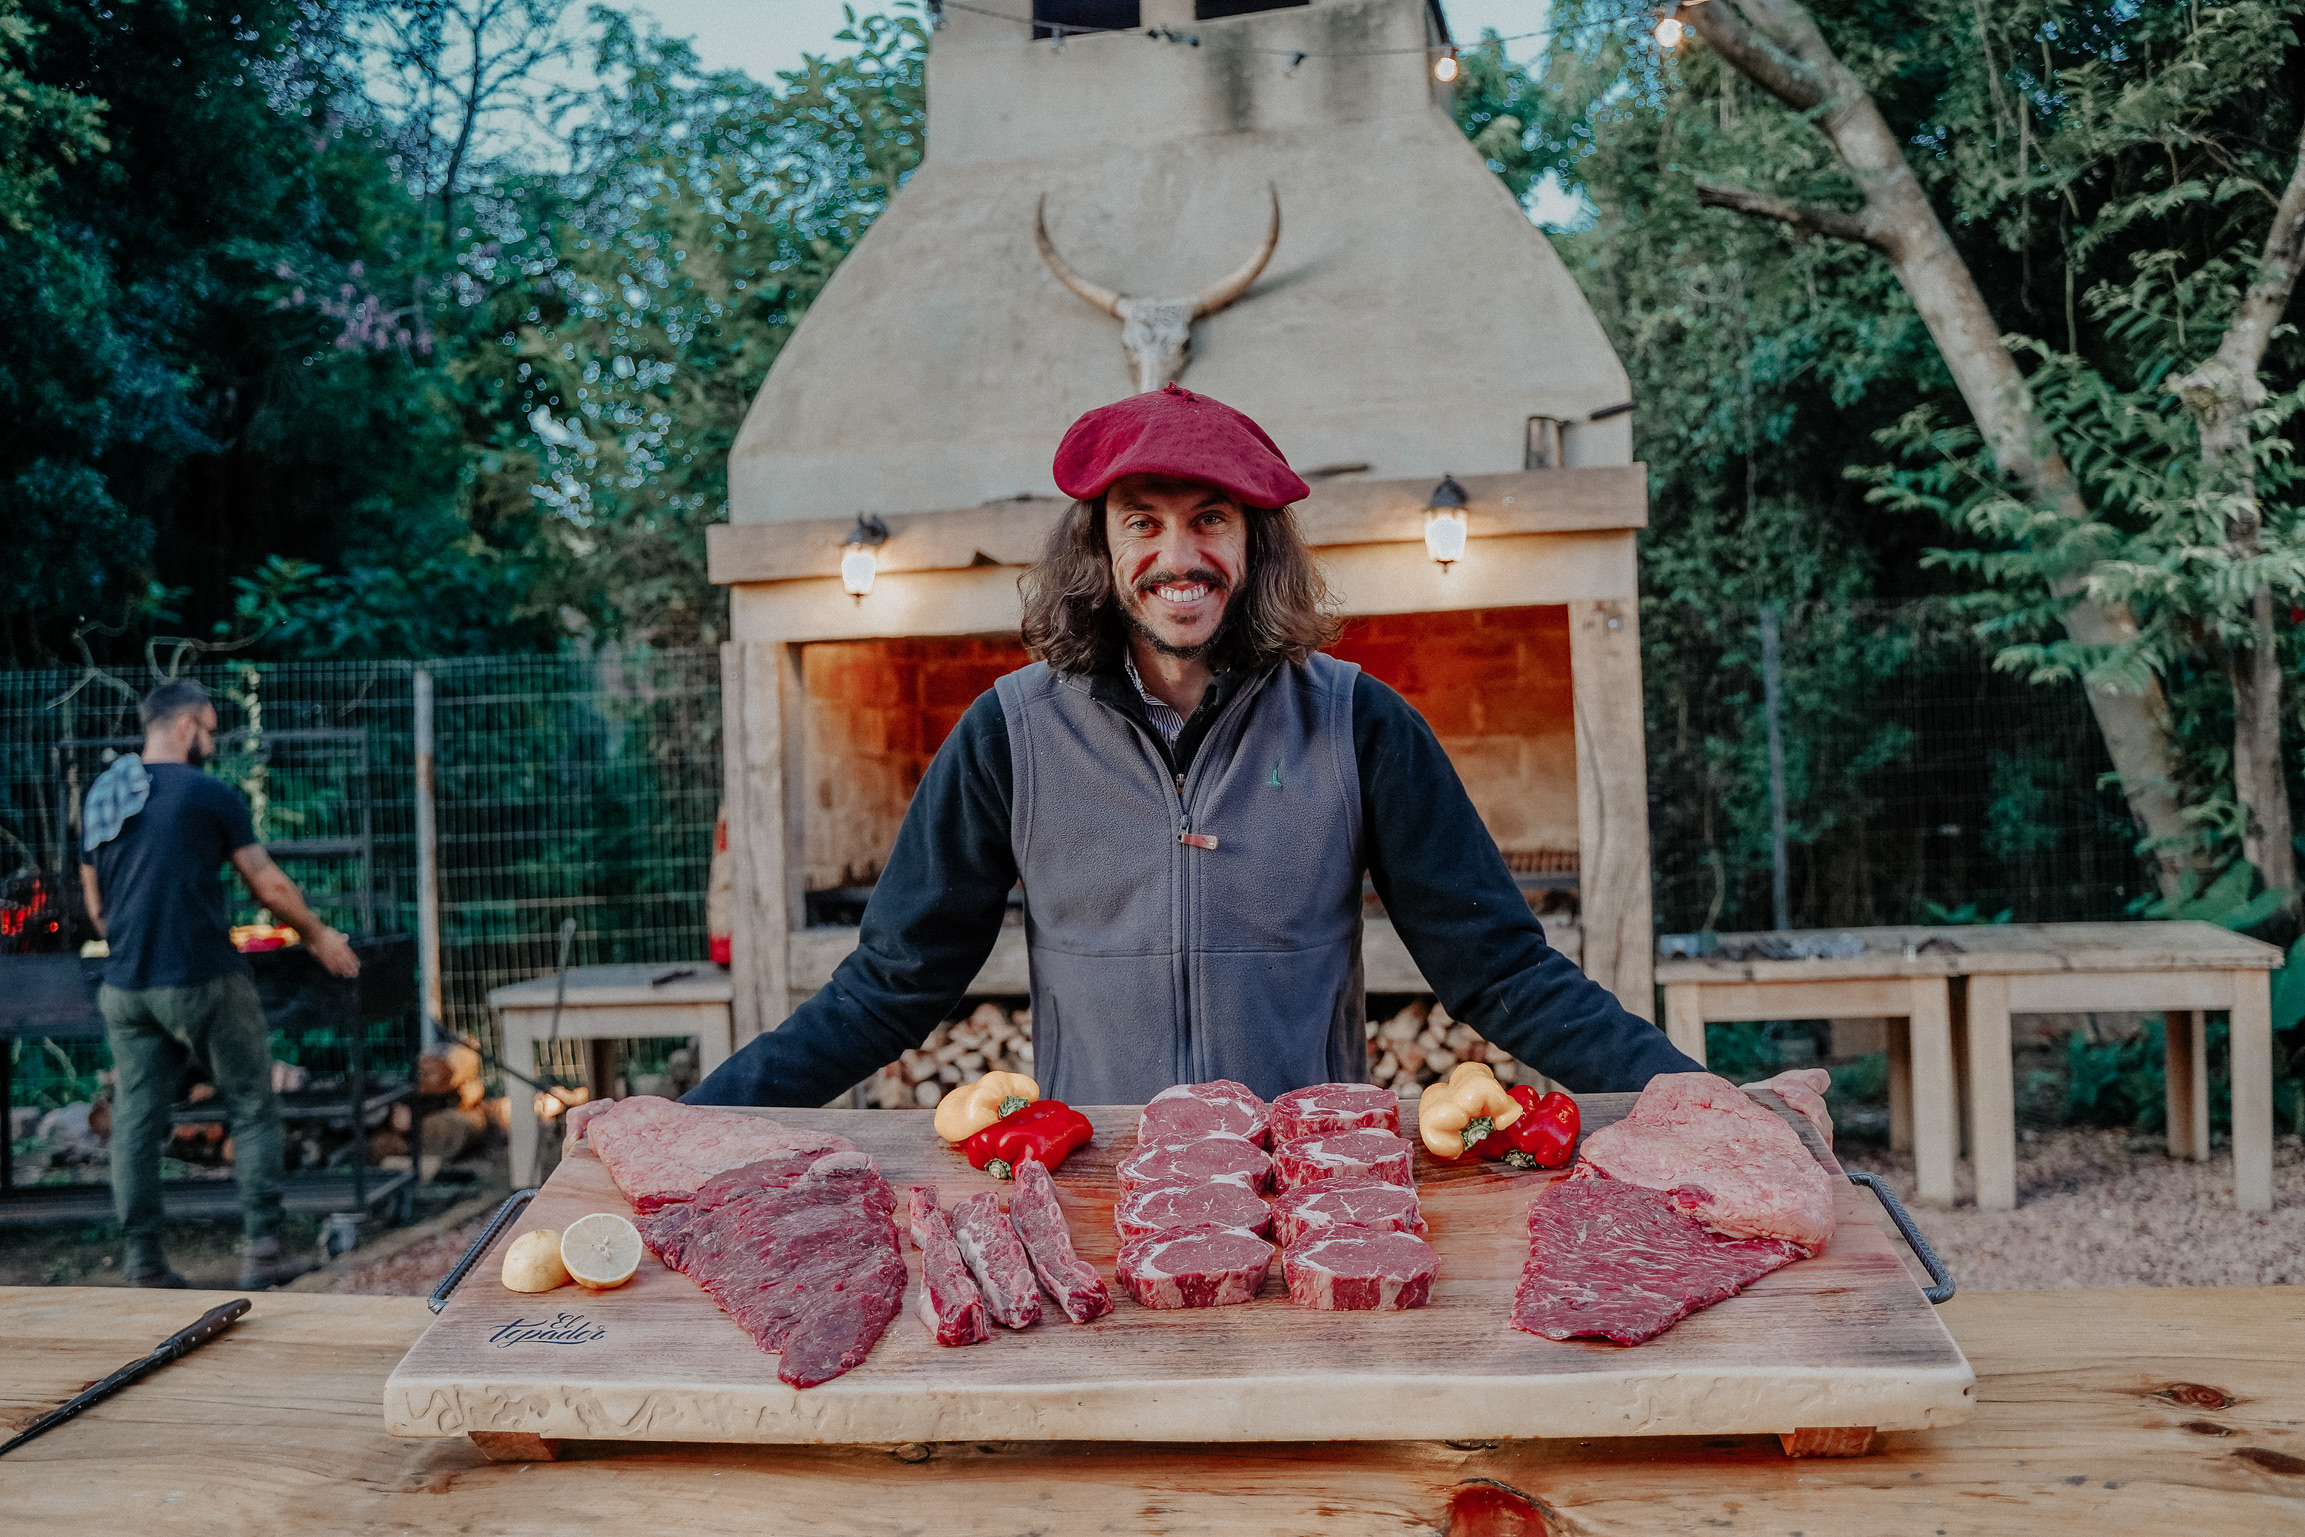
point(1163, 577)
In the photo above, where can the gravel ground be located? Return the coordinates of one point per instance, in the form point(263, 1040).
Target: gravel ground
point(2094, 1208)
point(2108, 1208)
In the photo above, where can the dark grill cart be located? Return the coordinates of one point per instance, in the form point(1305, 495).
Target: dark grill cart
point(53, 997)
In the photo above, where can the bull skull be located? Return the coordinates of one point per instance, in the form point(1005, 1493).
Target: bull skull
point(1157, 334)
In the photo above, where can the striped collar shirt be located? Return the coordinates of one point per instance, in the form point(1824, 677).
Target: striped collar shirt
point(1160, 712)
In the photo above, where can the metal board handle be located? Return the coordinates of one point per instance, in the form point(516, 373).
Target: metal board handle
point(1942, 1292)
point(512, 1207)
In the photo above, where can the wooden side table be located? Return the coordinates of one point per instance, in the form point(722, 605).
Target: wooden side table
point(1922, 1093)
point(605, 1003)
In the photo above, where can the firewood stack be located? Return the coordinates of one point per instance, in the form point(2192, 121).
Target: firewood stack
point(1417, 1046)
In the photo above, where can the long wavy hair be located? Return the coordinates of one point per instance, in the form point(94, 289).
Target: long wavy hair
point(1281, 612)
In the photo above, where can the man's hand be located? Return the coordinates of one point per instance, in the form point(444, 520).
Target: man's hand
point(1804, 1089)
point(572, 1120)
point(334, 951)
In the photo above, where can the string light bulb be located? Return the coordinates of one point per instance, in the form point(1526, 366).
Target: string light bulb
point(1445, 523)
point(858, 564)
point(1445, 68)
point(1669, 33)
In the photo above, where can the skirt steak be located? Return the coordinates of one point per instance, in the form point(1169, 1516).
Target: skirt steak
point(1327, 1107)
point(1623, 1262)
point(1202, 1267)
point(1033, 1210)
point(951, 1308)
point(1341, 1202)
point(997, 1260)
point(1194, 1110)
point(1359, 1269)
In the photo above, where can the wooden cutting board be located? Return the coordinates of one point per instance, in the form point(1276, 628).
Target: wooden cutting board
point(1842, 1340)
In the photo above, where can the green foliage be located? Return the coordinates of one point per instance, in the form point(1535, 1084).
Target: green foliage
point(1966, 913)
point(2227, 902)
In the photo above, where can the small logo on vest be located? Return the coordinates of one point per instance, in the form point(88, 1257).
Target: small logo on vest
point(1273, 780)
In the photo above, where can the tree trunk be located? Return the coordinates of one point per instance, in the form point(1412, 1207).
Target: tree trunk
point(1776, 44)
point(2221, 393)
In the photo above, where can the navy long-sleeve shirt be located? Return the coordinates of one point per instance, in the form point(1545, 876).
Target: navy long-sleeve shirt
point(938, 906)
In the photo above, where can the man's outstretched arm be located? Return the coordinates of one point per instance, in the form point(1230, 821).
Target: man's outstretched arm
point(934, 915)
point(271, 887)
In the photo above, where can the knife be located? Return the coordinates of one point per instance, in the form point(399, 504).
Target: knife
point(184, 1341)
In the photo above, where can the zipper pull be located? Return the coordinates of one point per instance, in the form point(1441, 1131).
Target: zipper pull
point(1191, 839)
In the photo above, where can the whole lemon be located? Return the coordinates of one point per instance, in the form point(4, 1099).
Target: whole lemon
point(533, 1264)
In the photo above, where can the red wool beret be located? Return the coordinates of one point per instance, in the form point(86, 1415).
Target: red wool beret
point(1172, 431)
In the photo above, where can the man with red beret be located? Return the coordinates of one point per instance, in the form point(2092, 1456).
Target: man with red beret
point(1190, 792)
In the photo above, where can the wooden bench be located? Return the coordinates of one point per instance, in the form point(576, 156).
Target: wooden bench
point(1950, 991)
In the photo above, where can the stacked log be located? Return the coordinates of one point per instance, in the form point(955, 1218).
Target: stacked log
point(1417, 1046)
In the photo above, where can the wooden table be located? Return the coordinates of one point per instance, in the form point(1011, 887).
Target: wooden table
point(2111, 1411)
point(1954, 989)
point(606, 1003)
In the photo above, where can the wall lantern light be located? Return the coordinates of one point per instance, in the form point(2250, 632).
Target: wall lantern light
point(858, 564)
point(1445, 523)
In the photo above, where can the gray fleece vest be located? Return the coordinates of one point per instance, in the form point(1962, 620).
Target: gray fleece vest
point(1156, 962)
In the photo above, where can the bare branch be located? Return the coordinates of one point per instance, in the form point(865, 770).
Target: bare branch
point(1803, 217)
point(1727, 31)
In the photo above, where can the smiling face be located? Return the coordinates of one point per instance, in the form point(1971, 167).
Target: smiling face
point(1179, 553)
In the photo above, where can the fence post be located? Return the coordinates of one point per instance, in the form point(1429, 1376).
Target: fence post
point(427, 869)
point(1772, 695)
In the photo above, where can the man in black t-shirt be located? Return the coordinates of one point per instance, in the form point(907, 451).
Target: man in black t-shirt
point(156, 833)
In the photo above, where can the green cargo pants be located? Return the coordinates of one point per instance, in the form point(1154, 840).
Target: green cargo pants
point(154, 1033)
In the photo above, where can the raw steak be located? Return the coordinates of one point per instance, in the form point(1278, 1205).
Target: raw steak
point(667, 1228)
point(1192, 1110)
point(659, 1150)
point(1034, 1212)
point(1360, 1269)
point(1341, 1202)
point(1231, 1159)
point(950, 1306)
point(1327, 1107)
point(1213, 1203)
point(1365, 1154)
point(810, 1270)
point(1737, 1168)
point(997, 1260)
point(1200, 1267)
point(1622, 1261)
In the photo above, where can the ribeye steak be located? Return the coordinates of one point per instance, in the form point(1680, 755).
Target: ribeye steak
point(1212, 1203)
point(1345, 1201)
point(1359, 1269)
point(1232, 1159)
point(1364, 1154)
point(1327, 1107)
point(1192, 1110)
point(1200, 1267)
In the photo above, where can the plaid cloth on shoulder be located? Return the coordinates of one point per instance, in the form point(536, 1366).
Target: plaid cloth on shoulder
point(118, 794)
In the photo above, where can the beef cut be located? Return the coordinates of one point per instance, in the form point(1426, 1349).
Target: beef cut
point(666, 1229)
point(997, 1260)
point(951, 1308)
point(810, 1269)
point(1201, 1267)
point(1364, 1154)
point(1359, 1269)
point(1193, 1110)
point(1234, 1160)
point(1214, 1203)
point(659, 1150)
point(1737, 1168)
point(1624, 1262)
point(1038, 1217)
point(1342, 1202)
point(1327, 1107)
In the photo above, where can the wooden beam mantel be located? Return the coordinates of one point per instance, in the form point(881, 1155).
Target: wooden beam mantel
point(1339, 512)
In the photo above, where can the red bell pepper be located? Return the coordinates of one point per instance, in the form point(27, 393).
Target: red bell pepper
point(1545, 1136)
point(1046, 1129)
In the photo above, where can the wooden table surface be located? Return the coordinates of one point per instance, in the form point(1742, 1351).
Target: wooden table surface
point(2111, 1411)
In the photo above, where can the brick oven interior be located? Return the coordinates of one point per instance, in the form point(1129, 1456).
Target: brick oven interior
point(1494, 683)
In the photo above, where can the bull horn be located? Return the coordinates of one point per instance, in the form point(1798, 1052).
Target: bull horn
point(1103, 298)
point(1217, 296)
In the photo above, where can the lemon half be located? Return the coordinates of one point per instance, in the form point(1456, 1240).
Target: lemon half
point(600, 1251)
point(532, 1263)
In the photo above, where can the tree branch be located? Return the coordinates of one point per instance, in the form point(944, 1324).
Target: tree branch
point(1809, 220)
point(2261, 307)
point(1725, 29)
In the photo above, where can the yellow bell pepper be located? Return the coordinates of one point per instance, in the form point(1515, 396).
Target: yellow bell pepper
point(1453, 1115)
point(972, 1107)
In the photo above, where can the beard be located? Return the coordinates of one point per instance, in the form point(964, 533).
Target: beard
point(1132, 611)
point(195, 755)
